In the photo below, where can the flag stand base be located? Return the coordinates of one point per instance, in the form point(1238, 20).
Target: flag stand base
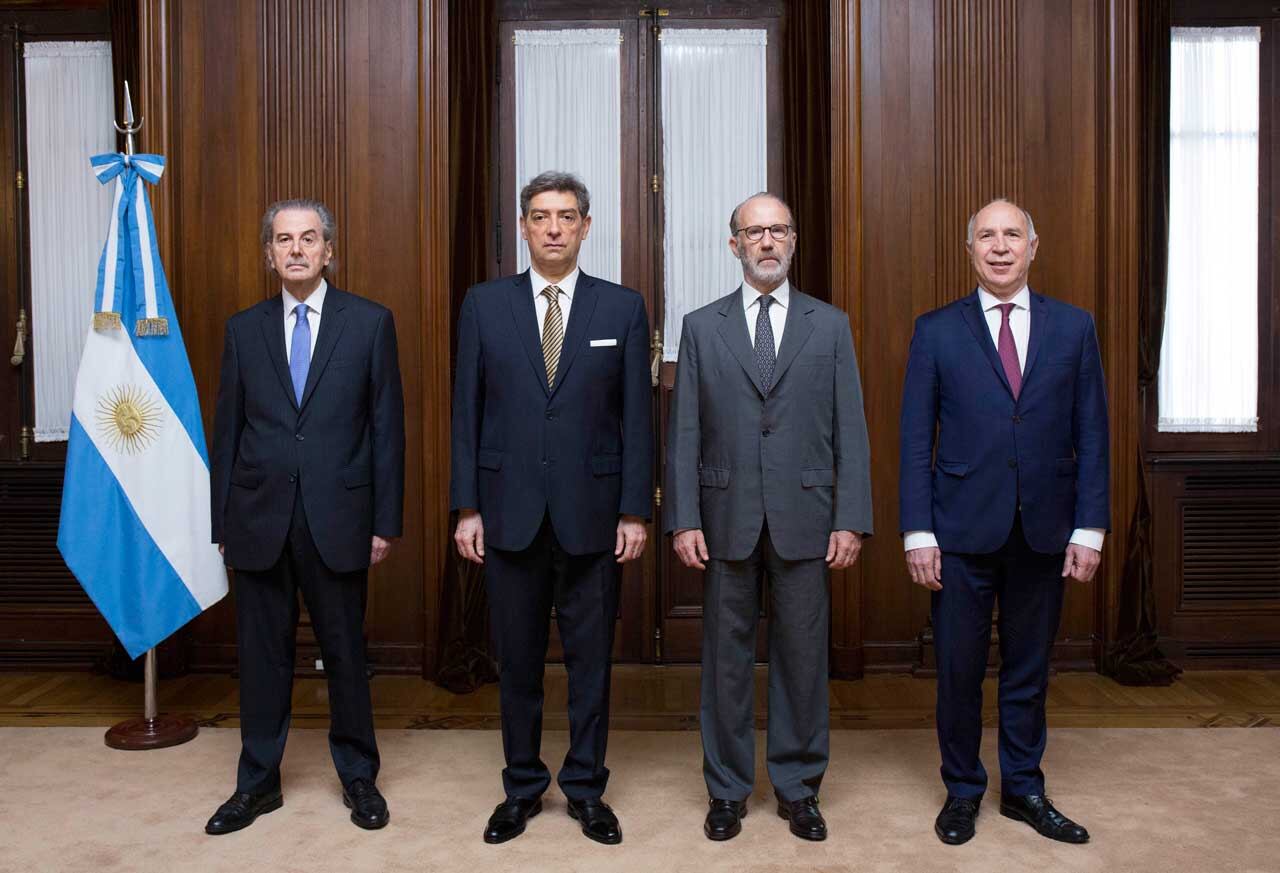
point(138, 734)
point(152, 731)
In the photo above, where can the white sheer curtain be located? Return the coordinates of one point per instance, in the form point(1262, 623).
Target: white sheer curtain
point(569, 117)
point(69, 108)
point(1209, 357)
point(714, 157)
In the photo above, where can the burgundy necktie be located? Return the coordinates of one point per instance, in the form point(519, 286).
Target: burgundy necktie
point(1009, 350)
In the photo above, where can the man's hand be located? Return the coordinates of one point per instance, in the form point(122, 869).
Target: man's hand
point(222, 550)
point(691, 548)
point(469, 536)
point(1081, 563)
point(632, 534)
point(843, 549)
point(378, 549)
point(925, 566)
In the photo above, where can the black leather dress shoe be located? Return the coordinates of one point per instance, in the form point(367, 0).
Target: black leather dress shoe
point(367, 805)
point(724, 819)
point(241, 809)
point(954, 824)
point(1037, 811)
point(510, 817)
point(806, 822)
point(597, 819)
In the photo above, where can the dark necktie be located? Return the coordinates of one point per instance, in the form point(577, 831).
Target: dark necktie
point(300, 350)
point(552, 332)
point(1009, 350)
point(766, 355)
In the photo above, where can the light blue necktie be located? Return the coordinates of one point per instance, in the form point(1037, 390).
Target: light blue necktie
point(300, 351)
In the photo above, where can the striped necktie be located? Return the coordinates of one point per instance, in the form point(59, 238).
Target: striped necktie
point(552, 332)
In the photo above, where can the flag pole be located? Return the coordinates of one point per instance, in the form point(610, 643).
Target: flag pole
point(152, 731)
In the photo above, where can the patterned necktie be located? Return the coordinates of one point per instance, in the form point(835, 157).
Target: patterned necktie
point(1009, 350)
point(766, 355)
point(300, 351)
point(552, 332)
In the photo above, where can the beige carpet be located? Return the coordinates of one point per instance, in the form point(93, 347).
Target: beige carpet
point(1165, 800)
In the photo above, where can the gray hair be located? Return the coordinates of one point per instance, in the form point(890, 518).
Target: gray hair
point(733, 216)
point(555, 180)
point(1031, 225)
point(328, 225)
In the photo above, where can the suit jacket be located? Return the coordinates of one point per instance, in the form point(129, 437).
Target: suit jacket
point(797, 456)
point(1045, 453)
point(581, 450)
point(341, 450)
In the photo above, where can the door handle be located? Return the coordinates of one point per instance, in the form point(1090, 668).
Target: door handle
point(655, 361)
point(20, 344)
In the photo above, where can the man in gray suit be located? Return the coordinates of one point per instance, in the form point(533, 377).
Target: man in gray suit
point(767, 475)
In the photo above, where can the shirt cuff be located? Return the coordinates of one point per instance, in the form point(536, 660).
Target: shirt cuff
point(1089, 536)
point(919, 539)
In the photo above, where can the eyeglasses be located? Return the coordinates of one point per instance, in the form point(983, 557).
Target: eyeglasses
point(755, 232)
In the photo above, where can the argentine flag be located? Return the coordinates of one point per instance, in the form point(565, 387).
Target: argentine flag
point(135, 501)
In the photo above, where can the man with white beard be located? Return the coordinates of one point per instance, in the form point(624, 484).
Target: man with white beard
point(767, 477)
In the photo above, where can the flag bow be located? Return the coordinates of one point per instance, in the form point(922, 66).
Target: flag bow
point(130, 252)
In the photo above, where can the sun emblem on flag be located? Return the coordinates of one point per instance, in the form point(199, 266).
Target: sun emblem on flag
point(129, 419)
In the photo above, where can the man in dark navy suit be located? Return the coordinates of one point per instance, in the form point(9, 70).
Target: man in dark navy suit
point(1007, 386)
point(552, 481)
point(307, 491)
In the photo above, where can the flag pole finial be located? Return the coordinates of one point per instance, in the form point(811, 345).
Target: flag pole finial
point(129, 128)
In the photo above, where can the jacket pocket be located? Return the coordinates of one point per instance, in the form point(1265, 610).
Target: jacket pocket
point(489, 459)
point(818, 478)
point(953, 468)
point(713, 477)
point(1066, 466)
point(606, 465)
point(357, 476)
point(247, 477)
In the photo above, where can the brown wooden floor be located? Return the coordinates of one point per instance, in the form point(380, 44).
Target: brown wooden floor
point(650, 698)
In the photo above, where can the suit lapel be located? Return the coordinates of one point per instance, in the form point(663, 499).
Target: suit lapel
point(526, 322)
point(977, 321)
point(575, 332)
point(1039, 321)
point(733, 329)
point(273, 336)
point(332, 321)
point(795, 333)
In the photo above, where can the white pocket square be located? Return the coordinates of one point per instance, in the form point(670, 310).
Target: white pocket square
point(605, 342)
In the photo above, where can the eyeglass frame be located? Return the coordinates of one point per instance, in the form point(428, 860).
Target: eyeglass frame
point(747, 231)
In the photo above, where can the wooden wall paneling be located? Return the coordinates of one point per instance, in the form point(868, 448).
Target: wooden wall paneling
point(899, 233)
point(380, 71)
point(1117, 299)
point(434, 310)
point(846, 284)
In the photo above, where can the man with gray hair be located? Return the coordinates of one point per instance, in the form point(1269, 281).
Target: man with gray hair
point(307, 487)
point(768, 476)
point(552, 482)
point(1004, 497)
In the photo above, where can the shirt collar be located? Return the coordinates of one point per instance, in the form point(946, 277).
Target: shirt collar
point(781, 295)
point(1021, 300)
point(315, 302)
point(567, 285)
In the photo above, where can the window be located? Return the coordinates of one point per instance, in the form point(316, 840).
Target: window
point(1209, 363)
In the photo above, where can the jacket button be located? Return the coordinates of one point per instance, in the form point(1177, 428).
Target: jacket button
point(1017, 419)
point(293, 478)
point(299, 437)
point(765, 432)
point(1013, 463)
point(551, 416)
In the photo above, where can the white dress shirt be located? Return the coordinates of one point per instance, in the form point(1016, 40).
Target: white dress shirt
point(314, 304)
point(1020, 324)
point(567, 285)
point(777, 312)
